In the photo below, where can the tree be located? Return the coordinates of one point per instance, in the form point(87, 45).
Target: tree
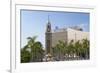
point(85, 47)
point(82, 48)
point(71, 49)
point(31, 45)
point(78, 48)
point(59, 50)
point(39, 52)
point(25, 55)
point(36, 49)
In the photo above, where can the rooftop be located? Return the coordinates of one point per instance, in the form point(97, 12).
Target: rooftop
point(65, 29)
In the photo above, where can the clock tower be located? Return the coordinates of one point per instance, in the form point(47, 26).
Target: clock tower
point(48, 37)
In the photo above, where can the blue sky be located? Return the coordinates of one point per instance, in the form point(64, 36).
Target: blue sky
point(33, 23)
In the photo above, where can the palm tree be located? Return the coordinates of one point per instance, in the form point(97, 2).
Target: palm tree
point(78, 48)
point(71, 49)
point(31, 45)
point(36, 49)
point(25, 55)
point(59, 50)
point(82, 49)
point(85, 46)
point(39, 52)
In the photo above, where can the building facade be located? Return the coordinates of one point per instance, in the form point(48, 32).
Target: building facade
point(63, 34)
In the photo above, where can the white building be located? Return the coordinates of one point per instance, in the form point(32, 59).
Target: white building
point(68, 34)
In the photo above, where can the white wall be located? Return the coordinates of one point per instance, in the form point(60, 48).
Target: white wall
point(5, 36)
point(77, 35)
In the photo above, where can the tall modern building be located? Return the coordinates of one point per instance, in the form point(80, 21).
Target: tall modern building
point(64, 34)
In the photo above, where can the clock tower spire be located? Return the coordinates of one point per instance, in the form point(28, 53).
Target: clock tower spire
point(48, 28)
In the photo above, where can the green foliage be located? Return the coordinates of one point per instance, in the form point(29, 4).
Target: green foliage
point(33, 50)
point(85, 47)
point(78, 48)
point(25, 55)
point(60, 50)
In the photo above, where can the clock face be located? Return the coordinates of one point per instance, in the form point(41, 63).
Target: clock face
point(48, 29)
